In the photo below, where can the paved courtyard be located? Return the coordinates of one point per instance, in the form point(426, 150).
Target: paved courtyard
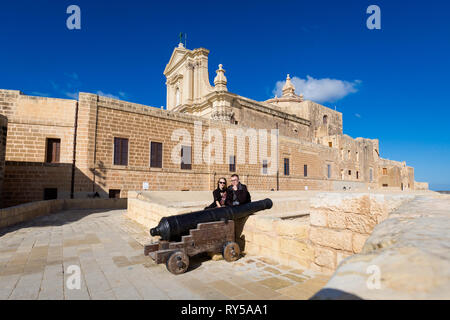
point(37, 259)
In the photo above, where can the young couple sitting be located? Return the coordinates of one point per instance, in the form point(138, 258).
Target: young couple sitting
point(234, 195)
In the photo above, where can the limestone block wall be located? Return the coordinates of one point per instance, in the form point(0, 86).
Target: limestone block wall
point(31, 120)
point(407, 256)
point(148, 213)
point(282, 240)
point(25, 212)
point(341, 223)
point(87, 129)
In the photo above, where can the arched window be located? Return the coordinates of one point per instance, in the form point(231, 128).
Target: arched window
point(177, 97)
point(325, 119)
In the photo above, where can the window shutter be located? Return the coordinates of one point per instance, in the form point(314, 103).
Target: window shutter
point(156, 154)
point(116, 151)
point(57, 149)
point(152, 154)
point(124, 152)
point(159, 155)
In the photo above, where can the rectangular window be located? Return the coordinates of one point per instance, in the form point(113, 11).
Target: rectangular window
point(121, 151)
point(50, 193)
point(232, 163)
point(305, 170)
point(53, 148)
point(264, 166)
point(286, 166)
point(186, 157)
point(330, 144)
point(385, 185)
point(329, 171)
point(114, 193)
point(384, 171)
point(349, 172)
point(155, 154)
point(357, 174)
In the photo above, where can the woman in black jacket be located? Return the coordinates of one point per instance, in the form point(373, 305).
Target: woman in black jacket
point(219, 195)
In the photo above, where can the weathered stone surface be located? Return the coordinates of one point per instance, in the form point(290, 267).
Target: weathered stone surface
point(332, 238)
point(336, 220)
point(325, 257)
point(358, 241)
point(408, 253)
point(292, 228)
point(318, 218)
point(359, 223)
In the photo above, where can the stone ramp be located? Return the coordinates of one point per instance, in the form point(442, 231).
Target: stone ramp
point(406, 257)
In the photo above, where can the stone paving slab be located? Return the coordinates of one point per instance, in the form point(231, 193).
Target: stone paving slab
point(106, 247)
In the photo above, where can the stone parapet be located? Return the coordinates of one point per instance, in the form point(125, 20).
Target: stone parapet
point(24, 212)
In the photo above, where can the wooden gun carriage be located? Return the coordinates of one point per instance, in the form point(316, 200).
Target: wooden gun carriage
point(211, 230)
point(211, 237)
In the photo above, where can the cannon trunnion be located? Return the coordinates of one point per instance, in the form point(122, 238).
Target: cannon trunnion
point(211, 230)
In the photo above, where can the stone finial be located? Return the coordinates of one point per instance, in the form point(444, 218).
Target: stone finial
point(220, 81)
point(288, 88)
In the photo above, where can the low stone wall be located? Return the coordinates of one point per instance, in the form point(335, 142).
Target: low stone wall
point(24, 212)
point(282, 240)
point(407, 256)
point(421, 185)
point(341, 223)
point(148, 213)
point(311, 230)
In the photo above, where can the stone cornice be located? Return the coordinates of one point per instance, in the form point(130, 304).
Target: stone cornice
point(262, 107)
point(187, 54)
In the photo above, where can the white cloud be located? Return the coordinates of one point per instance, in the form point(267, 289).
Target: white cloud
point(73, 95)
point(357, 115)
point(109, 95)
point(320, 90)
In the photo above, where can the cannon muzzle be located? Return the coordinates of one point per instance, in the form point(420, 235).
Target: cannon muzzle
point(173, 227)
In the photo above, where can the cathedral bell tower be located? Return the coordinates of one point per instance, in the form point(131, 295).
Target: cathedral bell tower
point(187, 78)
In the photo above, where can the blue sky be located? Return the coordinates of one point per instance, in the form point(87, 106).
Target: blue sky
point(391, 84)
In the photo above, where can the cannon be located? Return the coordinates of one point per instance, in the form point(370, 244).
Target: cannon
point(211, 230)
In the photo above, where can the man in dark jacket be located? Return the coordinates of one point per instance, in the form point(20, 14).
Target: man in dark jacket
point(237, 193)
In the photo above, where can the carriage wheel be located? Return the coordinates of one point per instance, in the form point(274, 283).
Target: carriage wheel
point(178, 262)
point(231, 251)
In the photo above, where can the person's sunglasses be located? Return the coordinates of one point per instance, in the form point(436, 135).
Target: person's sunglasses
point(221, 182)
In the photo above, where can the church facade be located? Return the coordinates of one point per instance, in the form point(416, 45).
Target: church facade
point(99, 146)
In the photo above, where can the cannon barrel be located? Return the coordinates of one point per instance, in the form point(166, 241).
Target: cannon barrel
point(173, 227)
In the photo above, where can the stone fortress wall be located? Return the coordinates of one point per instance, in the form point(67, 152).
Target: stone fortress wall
point(310, 136)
